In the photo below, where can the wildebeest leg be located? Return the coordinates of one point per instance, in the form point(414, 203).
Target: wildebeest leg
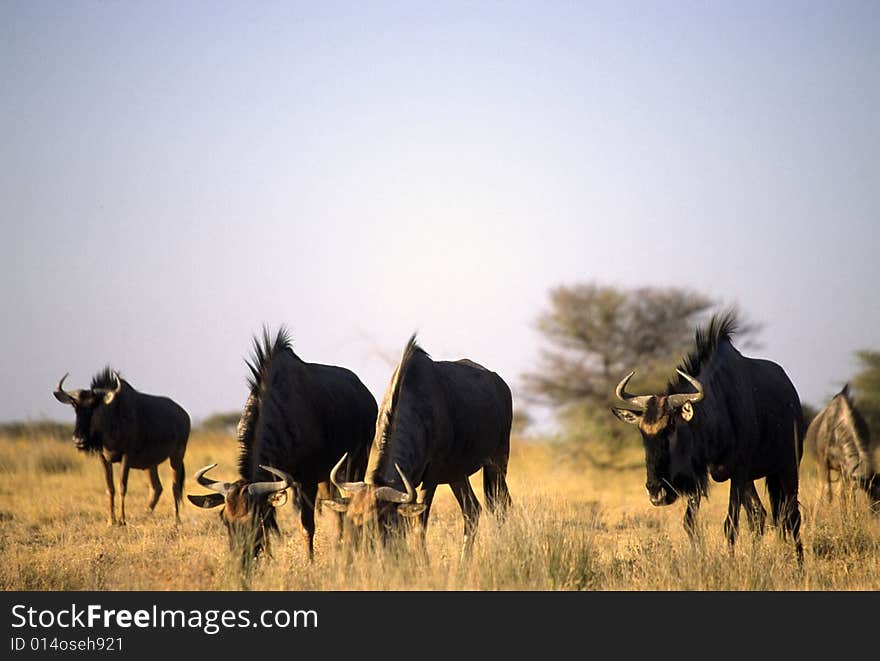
point(826, 483)
point(731, 523)
point(784, 510)
point(177, 485)
point(123, 487)
point(470, 510)
point(690, 516)
point(307, 516)
point(155, 488)
point(756, 515)
point(495, 486)
point(426, 497)
point(111, 491)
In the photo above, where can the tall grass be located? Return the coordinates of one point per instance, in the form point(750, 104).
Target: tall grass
point(574, 526)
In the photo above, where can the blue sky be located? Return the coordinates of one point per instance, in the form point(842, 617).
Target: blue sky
point(175, 175)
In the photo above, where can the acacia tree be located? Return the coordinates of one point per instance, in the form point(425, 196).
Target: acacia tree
point(866, 384)
point(595, 335)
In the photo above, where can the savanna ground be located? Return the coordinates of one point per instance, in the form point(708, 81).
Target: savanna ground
point(576, 526)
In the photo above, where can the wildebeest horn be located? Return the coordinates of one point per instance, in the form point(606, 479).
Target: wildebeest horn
point(675, 401)
point(392, 495)
point(66, 397)
point(219, 487)
point(347, 487)
point(637, 401)
point(261, 488)
point(107, 393)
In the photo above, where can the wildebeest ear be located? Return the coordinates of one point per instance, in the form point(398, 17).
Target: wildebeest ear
point(63, 397)
point(207, 500)
point(108, 397)
point(411, 509)
point(278, 498)
point(335, 505)
point(687, 411)
point(626, 415)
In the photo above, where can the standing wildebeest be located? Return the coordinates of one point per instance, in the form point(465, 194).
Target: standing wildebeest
point(439, 423)
point(298, 419)
point(132, 428)
point(743, 422)
point(840, 438)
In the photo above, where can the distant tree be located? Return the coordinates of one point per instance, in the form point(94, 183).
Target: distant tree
point(221, 422)
point(61, 431)
point(866, 387)
point(521, 420)
point(595, 335)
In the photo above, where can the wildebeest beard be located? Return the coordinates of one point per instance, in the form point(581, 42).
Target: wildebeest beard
point(675, 465)
point(86, 440)
point(249, 536)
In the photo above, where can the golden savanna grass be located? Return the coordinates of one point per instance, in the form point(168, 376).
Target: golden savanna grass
point(575, 526)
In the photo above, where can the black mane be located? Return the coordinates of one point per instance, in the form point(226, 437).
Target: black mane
point(105, 379)
point(258, 364)
point(389, 405)
point(722, 327)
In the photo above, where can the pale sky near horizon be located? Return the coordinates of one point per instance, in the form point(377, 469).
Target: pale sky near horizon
point(176, 175)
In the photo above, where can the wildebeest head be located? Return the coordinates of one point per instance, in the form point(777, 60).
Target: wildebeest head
point(94, 408)
point(664, 422)
point(248, 508)
point(370, 508)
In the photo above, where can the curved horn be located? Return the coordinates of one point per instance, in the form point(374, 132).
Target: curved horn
point(219, 487)
point(118, 383)
point(261, 488)
point(346, 487)
point(66, 397)
point(392, 495)
point(675, 401)
point(107, 393)
point(640, 402)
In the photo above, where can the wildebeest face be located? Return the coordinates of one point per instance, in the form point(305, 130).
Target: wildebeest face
point(372, 510)
point(92, 408)
point(663, 421)
point(248, 519)
point(248, 509)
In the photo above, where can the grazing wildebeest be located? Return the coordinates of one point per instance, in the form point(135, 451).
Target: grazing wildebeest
point(439, 422)
point(728, 416)
point(842, 442)
point(125, 426)
point(298, 419)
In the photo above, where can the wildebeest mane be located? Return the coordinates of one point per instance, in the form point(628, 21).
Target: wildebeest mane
point(721, 327)
point(388, 408)
point(105, 379)
point(258, 364)
point(859, 423)
point(854, 439)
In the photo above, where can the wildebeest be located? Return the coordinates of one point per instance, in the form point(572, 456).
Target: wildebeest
point(132, 428)
point(842, 442)
point(728, 416)
point(439, 422)
point(298, 419)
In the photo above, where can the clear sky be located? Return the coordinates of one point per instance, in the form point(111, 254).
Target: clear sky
point(174, 175)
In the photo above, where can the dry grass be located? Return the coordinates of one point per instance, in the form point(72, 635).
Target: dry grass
point(575, 527)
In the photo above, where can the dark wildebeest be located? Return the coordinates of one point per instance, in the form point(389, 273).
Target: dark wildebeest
point(842, 442)
point(728, 416)
point(125, 426)
point(439, 423)
point(298, 419)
